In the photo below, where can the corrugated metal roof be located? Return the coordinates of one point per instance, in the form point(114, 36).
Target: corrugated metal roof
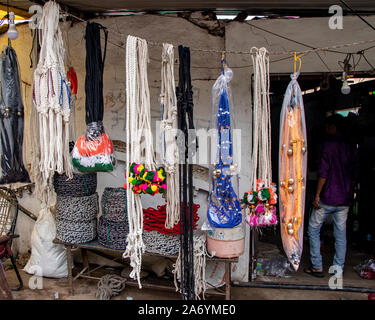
point(255, 6)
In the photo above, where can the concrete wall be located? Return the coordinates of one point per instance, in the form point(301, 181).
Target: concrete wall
point(205, 69)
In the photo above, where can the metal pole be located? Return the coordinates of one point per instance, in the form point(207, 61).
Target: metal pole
point(252, 255)
point(301, 287)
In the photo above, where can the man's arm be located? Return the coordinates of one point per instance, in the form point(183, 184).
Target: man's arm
point(321, 182)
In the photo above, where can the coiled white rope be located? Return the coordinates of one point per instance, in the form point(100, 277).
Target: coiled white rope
point(138, 126)
point(169, 126)
point(261, 154)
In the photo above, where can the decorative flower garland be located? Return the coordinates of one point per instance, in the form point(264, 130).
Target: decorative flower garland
point(261, 203)
point(146, 181)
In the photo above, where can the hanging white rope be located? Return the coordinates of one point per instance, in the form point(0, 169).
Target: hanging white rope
point(139, 142)
point(169, 126)
point(261, 155)
point(52, 99)
point(200, 253)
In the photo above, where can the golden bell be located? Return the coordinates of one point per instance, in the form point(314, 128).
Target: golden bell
point(295, 220)
point(303, 149)
point(290, 189)
point(290, 231)
point(290, 226)
point(291, 181)
point(267, 205)
point(290, 152)
point(282, 183)
point(284, 146)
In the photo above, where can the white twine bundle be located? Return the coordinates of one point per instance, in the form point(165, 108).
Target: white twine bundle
point(169, 126)
point(261, 154)
point(138, 126)
point(51, 100)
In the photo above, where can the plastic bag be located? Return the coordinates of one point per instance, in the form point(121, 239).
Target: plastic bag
point(367, 269)
point(93, 152)
point(47, 258)
point(276, 267)
point(292, 171)
point(11, 120)
point(224, 209)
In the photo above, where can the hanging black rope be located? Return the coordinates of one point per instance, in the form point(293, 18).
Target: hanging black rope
point(94, 72)
point(93, 152)
point(185, 106)
point(11, 120)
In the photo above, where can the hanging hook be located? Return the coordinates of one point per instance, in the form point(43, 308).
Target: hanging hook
point(223, 59)
point(297, 58)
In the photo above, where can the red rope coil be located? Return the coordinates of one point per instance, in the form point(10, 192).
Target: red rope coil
point(154, 219)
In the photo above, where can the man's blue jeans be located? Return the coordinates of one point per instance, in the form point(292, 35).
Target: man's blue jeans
point(318, 216)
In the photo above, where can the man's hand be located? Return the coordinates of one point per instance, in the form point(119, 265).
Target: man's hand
point(316, 202)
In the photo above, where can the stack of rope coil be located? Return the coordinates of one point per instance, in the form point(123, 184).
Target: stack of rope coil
point(81, 185)
point(156, 237)
point(163, 244)
point(77, 207)
point(76, 220)
point(113, 226)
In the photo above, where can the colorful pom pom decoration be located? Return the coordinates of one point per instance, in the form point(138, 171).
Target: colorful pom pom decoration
point(146, 181)
point(261, 203)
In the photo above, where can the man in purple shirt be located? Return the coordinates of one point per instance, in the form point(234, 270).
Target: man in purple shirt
point(336, 175)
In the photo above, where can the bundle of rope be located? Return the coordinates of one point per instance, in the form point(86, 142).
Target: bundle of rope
point(169, 126)
point(110, 285)
point(113, 226)
point(262, 197)
point(94, 151)
point(200, 254)
point(224, 209)
point(185, 123)
point(11, 120)
point(50, 118)
point(77, 208)
point(159, 243)
point(138, 129)
point(113, 234)
point(76, 218)
point(51, 98)
point(154, 219)
point(114, 204)
point(80, 185)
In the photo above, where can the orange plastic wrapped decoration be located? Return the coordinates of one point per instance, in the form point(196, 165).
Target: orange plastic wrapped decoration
point(292, 171)
point(94, 151)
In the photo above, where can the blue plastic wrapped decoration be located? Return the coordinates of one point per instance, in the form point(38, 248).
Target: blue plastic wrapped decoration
point(224, 209)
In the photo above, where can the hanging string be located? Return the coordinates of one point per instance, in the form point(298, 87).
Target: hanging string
point(271, 53)
point(169, 126)
point(185, 122)
point(94, 72)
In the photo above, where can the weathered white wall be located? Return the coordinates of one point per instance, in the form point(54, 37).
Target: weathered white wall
point(205, 69)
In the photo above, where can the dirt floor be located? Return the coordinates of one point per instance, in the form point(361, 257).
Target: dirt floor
point(85, 289)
